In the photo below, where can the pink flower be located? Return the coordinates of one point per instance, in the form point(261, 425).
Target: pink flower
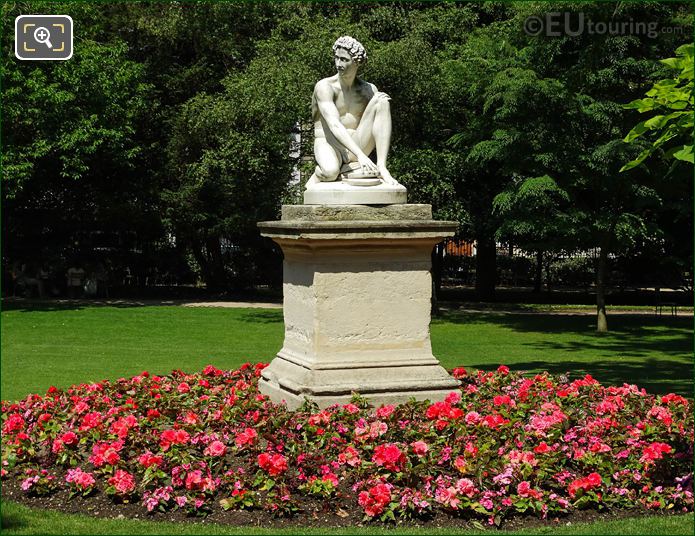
point(465, 486)
point(80, 479)
point(460, 464)
point(351, 408)
point(447, 497)
point(472, 418)
point(454, 397)
point(216, 448)
point(420, 448)
point(194, 479)
point(183, 388)
point(349, 456)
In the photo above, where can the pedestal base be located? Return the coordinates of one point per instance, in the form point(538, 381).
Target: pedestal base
point(341, 193)
point(357, 298)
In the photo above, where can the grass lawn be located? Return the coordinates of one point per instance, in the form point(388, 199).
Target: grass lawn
point(61, 345)
point(18, 519)
point(65, 344)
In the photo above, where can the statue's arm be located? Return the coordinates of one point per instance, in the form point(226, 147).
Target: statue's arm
point(331, 118)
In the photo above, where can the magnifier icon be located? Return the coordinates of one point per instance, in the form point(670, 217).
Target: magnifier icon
point(42, 35)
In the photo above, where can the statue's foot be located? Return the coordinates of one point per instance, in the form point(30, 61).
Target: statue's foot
point(386, 176)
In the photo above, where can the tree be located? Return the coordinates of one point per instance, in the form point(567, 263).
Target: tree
point(72, 161)
point(673, 98)
point(535, 215)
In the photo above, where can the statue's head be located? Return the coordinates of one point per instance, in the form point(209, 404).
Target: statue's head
point(352, 46)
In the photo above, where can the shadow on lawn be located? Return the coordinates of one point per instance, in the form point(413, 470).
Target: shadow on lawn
point(629, 335)
point(27, 306)
point(12, 520)
point(657, 377)
point(263, 316)
point(635, 338)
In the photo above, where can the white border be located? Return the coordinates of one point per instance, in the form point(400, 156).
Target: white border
point(61, 17)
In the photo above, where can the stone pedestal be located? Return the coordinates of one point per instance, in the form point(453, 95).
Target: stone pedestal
point(357, 300)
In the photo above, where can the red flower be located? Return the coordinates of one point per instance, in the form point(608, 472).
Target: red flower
point(503, 369)
point(105, 453)
point(148, 459)
point(494, 421)
point(542, 448)
point(123, 481)
point(459, 372)
point(173, 437)
point(385, 411)
point(90, 420)
point(389, 456)
point(524, 489)
point(212, 371)
point(673, 398)
point(443, 410)
point(587, 483)
point(503, 400)
point(69, 438)
point(274, 465)
point(245, 438)
point(14, 423)
point(374, 501)
point(655, 451)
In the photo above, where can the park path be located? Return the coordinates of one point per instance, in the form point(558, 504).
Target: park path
point(445, 306)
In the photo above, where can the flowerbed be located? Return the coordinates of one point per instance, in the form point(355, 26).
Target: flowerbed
point(504, 445)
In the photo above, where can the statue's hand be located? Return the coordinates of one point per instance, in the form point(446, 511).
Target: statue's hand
point(368, 167)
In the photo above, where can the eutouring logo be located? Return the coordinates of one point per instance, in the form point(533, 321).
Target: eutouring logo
point(558, 24)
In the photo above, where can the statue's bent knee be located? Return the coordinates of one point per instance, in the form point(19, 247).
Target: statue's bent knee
point(327, 175)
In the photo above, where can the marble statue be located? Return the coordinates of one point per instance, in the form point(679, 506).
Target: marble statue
point(351, 119)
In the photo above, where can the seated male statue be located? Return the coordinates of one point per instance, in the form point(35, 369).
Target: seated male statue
point(351, 118)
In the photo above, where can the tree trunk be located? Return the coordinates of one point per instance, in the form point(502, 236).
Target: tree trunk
point(538, 279)
point(485, 269)
point(601, 321)
point(218, 277)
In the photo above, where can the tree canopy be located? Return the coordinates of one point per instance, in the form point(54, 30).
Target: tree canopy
point(171, 128)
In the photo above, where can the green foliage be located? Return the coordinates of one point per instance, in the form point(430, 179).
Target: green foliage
point(672, 99)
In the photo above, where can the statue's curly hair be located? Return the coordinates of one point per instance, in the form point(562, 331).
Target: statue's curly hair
point(353, 46)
